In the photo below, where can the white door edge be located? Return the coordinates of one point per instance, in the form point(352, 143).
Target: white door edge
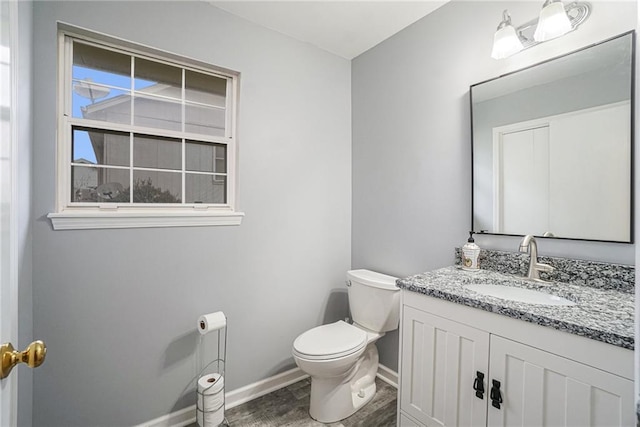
point(8, 205)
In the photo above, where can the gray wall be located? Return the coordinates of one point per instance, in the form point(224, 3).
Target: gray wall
point(24, 205)
point(411, 137)
point(118, 308)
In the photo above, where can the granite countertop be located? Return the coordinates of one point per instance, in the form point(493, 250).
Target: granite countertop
point(601, 314)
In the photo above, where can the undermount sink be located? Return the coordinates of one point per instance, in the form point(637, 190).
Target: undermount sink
point(512, 293)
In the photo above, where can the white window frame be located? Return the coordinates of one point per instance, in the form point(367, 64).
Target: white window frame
point(74, 215)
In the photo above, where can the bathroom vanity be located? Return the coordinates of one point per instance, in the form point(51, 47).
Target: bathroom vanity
point(470, 359)
point(489, 348)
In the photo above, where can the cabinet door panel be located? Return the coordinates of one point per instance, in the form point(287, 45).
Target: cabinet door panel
point(542, 389)
point(440, 359)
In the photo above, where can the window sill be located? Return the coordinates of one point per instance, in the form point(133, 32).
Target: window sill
point(83, 220)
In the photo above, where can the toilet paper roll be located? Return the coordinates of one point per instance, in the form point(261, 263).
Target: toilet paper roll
point(210, 384)
point(210, 403)
point(211, 322)
point(210, 419)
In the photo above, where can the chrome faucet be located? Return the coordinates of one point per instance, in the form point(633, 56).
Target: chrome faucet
point(529, 244)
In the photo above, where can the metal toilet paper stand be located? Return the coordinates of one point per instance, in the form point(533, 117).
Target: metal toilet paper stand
point(216, 366)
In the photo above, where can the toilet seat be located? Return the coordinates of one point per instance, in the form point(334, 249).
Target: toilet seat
point(330, 341)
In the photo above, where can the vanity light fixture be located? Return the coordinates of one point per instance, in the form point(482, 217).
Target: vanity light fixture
point(555, 20)
point(505, 41)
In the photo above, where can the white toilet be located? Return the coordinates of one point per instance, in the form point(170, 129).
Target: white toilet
point(342, 359)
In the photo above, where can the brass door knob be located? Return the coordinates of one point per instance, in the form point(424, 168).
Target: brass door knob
point(33, 356)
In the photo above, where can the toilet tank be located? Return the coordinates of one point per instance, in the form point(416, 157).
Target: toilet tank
point(374, 300)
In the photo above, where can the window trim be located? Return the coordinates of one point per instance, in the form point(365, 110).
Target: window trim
point(70, 215)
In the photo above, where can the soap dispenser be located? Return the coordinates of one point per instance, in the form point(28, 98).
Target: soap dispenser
point(470, 254)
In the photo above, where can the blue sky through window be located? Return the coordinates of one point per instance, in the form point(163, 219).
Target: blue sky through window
point(82, 148)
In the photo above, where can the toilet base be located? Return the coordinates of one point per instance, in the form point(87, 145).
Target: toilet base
point(336, 398)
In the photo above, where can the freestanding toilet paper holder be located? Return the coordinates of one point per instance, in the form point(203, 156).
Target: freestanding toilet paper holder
point(210, 406)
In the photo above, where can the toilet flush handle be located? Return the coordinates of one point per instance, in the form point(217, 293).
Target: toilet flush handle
point(348, 283)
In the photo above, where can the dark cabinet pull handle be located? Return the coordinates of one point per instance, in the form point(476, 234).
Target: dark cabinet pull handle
point(496, 397)
point(478, 385)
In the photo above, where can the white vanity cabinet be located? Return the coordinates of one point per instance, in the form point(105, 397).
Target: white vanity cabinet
point(449, 350)
point(543, 389)
point(439, 361)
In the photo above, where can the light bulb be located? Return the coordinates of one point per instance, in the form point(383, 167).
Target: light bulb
point(505, 41)
point(553, 21)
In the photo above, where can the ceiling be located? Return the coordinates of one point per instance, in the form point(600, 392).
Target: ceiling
point(345, 28)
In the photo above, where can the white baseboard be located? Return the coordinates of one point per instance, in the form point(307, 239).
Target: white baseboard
point(388, 376)
point(180, 418)
point(187, 416)
point(260, 388)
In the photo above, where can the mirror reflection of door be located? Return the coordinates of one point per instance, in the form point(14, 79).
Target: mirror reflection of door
point(522, 181)
point(568, 175)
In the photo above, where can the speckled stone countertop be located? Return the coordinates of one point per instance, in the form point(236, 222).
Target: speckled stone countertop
point(601, 275)
point(600, 313)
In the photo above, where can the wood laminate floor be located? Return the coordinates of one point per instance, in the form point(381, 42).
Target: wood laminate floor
point(289, 406)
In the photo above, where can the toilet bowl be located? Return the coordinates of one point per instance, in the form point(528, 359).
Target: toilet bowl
point(342, 358)
point(342, 361)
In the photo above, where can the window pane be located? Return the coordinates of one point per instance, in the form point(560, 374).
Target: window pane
point(91, 101)
point(206, 157)
point(99, 185)
point(114, 107)
point(201, 188)
point(104, 66)
point(205, 89)
point(157, 187)
point(100, 147)
point(158, 78)
point(157, 153)
point(204, 120)
point(157, 113)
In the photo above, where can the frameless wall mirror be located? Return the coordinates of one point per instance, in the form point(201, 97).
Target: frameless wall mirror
point(552, 147)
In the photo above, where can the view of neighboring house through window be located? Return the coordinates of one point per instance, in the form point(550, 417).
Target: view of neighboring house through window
point(144, 130)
